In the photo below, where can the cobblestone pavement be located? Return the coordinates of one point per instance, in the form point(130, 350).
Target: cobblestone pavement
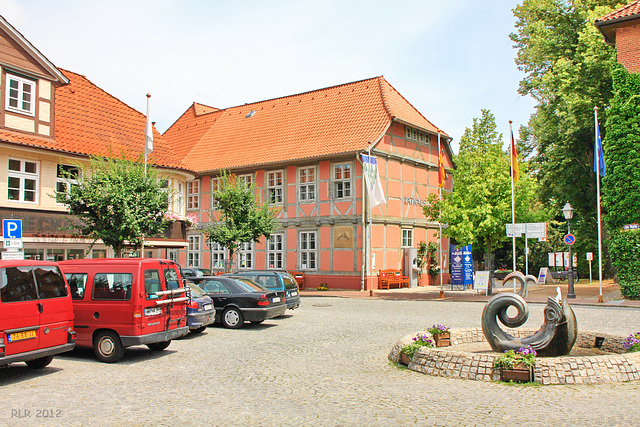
point(325, 364)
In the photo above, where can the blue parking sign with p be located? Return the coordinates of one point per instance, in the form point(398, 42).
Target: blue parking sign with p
point(12, 228)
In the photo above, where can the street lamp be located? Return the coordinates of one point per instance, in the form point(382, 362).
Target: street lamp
point(567, 211)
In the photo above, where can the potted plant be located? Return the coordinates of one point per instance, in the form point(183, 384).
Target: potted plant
point(516, 365)
point(407, 351)
point(441, 335)
point(632, 343)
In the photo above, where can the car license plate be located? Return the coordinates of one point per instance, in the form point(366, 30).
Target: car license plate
point(293, 293)
point(276, 299)
point(207, 307)
point(19, 336)
point(152, 311)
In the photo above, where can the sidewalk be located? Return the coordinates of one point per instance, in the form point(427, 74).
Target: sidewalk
point(586, 294)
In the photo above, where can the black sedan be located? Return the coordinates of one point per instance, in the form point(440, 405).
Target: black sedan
point(237, 301)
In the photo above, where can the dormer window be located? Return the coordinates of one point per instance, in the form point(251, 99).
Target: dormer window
point(20, 95)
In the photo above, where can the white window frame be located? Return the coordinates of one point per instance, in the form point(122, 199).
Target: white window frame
point(307, 187)
point(275, 187)
point(23, 176)
point(65, 181)
point(193, 195)
point(247, 179)
point(342, 186)
point(180, 198)
point(215, 186)
point(275, 252)
point(194, 251)
point(407, 238)
point(218, 255)
point(172, 255)
point(245, 256)
point(20, 93)
point(308, 250)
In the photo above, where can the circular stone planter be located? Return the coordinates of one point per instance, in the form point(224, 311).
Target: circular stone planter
point(449, 362)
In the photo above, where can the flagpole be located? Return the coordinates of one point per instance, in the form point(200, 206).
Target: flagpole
point(369, 240)
point(146, 133)
point(513, 208)
point(597, 167)
point(439, 219)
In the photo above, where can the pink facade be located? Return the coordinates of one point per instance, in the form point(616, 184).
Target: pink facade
point(321, 216)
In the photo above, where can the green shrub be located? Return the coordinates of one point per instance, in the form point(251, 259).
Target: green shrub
point(625, 247)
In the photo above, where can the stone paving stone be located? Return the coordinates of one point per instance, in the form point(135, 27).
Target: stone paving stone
point(314, 366)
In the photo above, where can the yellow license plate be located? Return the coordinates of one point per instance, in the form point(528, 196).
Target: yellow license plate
point(19, 336)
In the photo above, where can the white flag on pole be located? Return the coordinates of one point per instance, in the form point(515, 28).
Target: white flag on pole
point(149, 128)
point(372, 181)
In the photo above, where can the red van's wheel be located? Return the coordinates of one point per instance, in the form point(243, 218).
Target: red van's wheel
point(107, 347)
point(39, 363)
point(159, 346)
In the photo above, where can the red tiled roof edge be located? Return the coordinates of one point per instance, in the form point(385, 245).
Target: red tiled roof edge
point(626, 12)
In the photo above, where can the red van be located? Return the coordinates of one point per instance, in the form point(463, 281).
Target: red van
point(121, 302)
point(36, 315)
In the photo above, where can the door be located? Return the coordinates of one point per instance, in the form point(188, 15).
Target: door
point(56, 312)
point(154, 316)
point(20, 315)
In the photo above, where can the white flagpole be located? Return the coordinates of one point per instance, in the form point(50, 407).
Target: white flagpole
point(146, 136)
point(369, 272)
point(597, 163)
point(439, 220)
point(513, 205)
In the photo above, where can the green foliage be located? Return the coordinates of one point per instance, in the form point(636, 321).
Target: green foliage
point(625, 249)
point(511, 358)
point(567, 67)
point(479, 206)
point(243, 219)
point(417, 342)
point(117, 203)
point(621, 185)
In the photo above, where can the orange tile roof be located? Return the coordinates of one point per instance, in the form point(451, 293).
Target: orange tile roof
point(89, 121)
point(334, 120)
point(629, 10)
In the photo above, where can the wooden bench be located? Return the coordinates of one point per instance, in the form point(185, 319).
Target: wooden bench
point(392, 278)
point(299, 276)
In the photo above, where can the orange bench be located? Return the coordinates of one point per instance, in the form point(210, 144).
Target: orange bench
point(392, 278)
point(299, 276)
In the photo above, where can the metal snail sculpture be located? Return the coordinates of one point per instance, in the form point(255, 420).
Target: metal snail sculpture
point(524, 281)
point(556, 336)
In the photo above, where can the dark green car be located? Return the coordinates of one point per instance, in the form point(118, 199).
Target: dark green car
point(279, 280)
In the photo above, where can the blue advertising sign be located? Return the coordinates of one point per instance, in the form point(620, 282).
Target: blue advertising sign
point(12, 228)
point(461, 265)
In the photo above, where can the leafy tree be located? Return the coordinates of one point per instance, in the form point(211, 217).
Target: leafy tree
point(243, 219)
point(621, 185)
point(567, 67)
point(479, 206)
point(117, 202)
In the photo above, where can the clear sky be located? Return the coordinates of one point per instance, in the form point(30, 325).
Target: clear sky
point(449, 58)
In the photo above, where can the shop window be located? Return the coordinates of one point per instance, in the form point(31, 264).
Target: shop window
point(307, 184)
point(20, 95)
point(307, 250)
point(22, 181)
point(275, 252)
point(342, 180)
point(275, 186)
point(193, 251)
point(193, 195)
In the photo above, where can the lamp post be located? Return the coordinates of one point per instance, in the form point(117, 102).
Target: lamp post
point(567, 211)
